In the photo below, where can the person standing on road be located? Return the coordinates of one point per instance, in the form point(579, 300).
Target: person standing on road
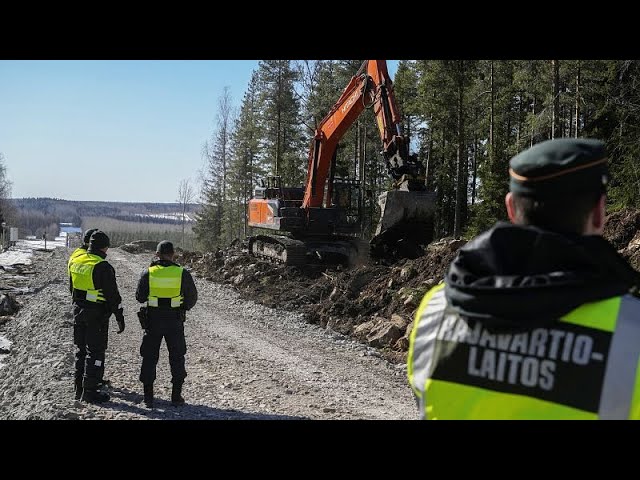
point(80, 251)
point(538, 318)
point(169, 292)
point(95, 299)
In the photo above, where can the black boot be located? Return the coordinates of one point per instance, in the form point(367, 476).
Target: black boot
point(104, 383)
point(78, 388)
point(94, 396)
point(176, 395)
point(148, 395)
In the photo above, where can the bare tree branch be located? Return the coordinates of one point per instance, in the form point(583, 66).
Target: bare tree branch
point(186, 194)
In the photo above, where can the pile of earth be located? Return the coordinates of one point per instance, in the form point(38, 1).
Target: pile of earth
point(622, 229)
point(373, 303)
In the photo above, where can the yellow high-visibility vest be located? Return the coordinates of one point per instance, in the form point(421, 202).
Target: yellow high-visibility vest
point(81, 270)
point(165, 282)
point(583, 366)
point(77, 252)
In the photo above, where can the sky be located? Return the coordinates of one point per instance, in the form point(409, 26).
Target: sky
point(111, 130)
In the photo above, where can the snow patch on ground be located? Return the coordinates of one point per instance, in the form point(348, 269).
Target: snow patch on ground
point(23, 249)
point(189, 217)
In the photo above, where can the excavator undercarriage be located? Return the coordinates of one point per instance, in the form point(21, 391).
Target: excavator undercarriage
point(311, 250)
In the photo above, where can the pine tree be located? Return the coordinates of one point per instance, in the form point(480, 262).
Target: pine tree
point(617, 121)
point(438, 94)
point(217, 152)
point(279, 120)
point(245, 169)
point(405, 87)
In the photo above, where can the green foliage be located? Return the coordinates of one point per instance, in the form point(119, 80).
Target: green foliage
point(466, 119)
point(279, 120)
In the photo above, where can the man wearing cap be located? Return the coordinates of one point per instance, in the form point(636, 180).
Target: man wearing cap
point(169, 292)
point(537, 318)
point(95, 298)
point(85, 245)
point(81, 250)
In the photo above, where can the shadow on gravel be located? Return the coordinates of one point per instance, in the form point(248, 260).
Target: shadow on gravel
point(165, 411)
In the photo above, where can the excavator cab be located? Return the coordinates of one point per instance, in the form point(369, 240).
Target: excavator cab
point(348, 202)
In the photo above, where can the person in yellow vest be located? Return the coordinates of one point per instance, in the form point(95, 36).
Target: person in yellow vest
point(169, 292)
point(95, 298)
point(85, 245)
point(538, 318)
point(79, 251)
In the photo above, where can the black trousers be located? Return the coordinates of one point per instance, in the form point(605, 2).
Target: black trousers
point(171, 328)
point(90, 337)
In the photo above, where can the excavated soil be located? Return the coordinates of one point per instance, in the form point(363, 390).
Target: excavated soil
point(374, 303)
point(622, 229)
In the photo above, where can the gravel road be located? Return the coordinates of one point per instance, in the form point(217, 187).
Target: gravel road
point(244, 360)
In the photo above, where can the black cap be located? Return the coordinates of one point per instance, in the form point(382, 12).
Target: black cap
point(99, 240)
point(87, 235)
point(560, 167)
point(164, 247)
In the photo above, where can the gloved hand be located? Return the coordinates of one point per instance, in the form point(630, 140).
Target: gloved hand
point(120, 320)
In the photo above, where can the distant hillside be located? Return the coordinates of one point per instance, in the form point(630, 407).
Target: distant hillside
point(70, 211)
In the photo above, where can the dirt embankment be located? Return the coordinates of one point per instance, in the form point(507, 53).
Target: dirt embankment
point(373, 303)
point(622, 229)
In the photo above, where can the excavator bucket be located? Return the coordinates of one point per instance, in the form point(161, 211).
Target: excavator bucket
point(406, 223)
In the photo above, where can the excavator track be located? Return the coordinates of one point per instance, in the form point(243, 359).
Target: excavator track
point(279, 249)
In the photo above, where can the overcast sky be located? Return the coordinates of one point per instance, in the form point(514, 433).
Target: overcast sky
point(111, 130)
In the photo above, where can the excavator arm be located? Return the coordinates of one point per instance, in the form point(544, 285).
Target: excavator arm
point(371, 86)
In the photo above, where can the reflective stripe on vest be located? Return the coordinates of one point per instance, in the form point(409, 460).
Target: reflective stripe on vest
point(81, 270)
point(165, 282)
point(585, 366)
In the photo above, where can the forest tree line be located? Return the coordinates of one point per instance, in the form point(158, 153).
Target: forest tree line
point(34, 216)
point(466, 119)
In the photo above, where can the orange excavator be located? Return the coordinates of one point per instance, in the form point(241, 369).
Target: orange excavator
point(323, 220)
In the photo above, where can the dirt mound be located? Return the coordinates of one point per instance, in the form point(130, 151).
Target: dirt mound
point(374, 303)
point(621, 227)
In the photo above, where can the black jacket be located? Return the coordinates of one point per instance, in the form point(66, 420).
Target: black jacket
point(514, 275)
point(187, 290)
point(104, 277)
